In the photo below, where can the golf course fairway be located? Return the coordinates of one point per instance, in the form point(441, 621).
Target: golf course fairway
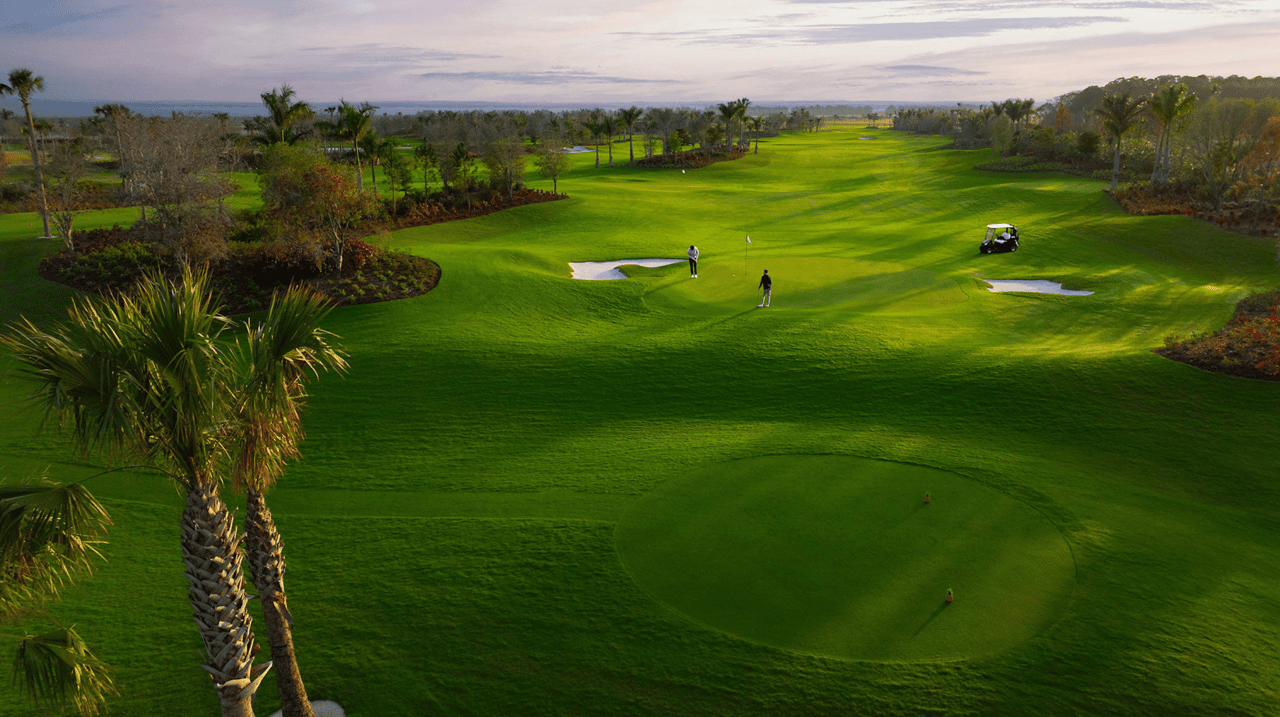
point(840, 556)
point(533, 495)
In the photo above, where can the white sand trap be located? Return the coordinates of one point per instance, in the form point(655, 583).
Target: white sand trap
point(608, 270)
point(866, 138)
point(323, 708)
point(1033, 286)
point(574, 150)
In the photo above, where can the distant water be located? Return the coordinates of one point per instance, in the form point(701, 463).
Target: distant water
point(65, 108)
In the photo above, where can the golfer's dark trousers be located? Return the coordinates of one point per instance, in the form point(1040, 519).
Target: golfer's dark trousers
point(693, 266)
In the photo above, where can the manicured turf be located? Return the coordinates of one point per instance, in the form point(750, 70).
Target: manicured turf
point(452, 531)
point(841, 556)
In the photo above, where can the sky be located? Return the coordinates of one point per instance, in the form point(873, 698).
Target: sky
point(604, 53)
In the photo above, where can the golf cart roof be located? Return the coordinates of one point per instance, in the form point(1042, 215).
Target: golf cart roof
point(1000, 226)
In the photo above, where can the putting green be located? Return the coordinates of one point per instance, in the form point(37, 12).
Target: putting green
point(805, 283)
point(840, 556)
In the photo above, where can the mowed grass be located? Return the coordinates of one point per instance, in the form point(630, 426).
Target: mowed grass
point(842, 556)
point(453, 528)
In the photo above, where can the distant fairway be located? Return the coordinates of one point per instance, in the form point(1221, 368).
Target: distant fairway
point(840, 556)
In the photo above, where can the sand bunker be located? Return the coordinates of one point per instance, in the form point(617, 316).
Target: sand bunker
point(579, 149)
point(1033, 286)
point(608, 270)
point(866, 138)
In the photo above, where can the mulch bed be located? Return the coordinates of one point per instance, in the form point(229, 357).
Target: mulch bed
point(1229, 351)
point(1252, 218)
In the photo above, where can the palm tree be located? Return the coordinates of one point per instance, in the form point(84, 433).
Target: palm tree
point(609, 126)
point(146, 375)
point(628, 118)
point(757, 124)
point(1119, 114)
point(275, 361)
point(352, 124)
point(743, 103)
point(375, 147)
point(596, 128)
point(48, 535)
point(728, 111)
point(23, 82)
point(283, 112)
point(1169, 104)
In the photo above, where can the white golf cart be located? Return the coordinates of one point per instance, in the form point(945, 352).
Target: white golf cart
point(1000, 237)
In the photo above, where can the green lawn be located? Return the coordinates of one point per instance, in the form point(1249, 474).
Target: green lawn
point(539, 496)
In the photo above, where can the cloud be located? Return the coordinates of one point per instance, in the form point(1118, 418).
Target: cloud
point(403, 55)
point(28, 18)
point(538, 78)
point(990, 6)
point(928, 70)
point(845, 34)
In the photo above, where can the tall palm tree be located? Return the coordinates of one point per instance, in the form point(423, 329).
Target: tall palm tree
point(743, 103)
point(284, 113)
point(596, 128)
point(48, 535)
point(375, 147)
point(1168, 105)
point(146, 375)
point(23, 82)
point(1119, 114)
point(628, 119)
point(757, 124)
point(728, 111)
point(352, 125)
point(276, 359)
point(609, 126)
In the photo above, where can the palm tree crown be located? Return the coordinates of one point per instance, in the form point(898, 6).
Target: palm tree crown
point(285, 113)
point(1119, 113)
point(351, 125)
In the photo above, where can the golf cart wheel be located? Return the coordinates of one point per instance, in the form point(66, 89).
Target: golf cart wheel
point(1013, 248)
point(984, 250)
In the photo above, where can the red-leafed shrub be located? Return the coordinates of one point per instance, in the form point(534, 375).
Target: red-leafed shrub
point(1249, 345)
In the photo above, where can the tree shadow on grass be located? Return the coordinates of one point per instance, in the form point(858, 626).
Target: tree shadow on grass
point(731, 318)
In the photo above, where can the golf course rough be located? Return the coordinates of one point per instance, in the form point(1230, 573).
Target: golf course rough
point(841, 557)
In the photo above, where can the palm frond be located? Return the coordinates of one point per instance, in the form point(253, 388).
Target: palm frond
point(273, 363)
point(48, 536)
point(58, 667)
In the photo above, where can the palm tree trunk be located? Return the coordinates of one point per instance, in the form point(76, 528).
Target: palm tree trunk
point(266, 566)
point(1115, 167)
point(359, 169)
point(35, 163)
point(212, 554)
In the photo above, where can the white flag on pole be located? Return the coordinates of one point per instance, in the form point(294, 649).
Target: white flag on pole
point(748, 238)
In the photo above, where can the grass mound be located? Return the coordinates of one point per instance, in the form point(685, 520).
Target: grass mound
point(841, 557)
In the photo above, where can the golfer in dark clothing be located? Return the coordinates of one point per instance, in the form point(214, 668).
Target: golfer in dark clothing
point(693, 262)
point(766, 283)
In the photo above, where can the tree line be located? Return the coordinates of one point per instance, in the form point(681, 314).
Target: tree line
point(1214, 147)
